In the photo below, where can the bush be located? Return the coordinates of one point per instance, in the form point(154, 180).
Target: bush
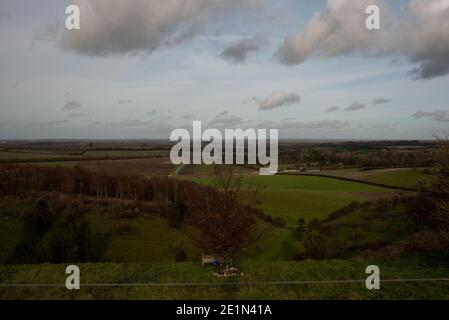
point(315, 244)
point(300, 229)
point(279, 222)
point(181, 256)
point(124, 227)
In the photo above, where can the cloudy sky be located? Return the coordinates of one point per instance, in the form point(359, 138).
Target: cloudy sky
point(139, 68)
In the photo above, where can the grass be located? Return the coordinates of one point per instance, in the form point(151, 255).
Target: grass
point(368, 228)
point(294, 197)
point(149, 239)
point(396, 177)
point(308, 197)
point(418, 267)
point(402, 178)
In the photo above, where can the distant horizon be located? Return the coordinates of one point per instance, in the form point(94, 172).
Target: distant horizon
point(168, 140)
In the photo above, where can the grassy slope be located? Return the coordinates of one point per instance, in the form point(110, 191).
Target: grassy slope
point(150, 239)
point(308, 197)
point(368, 228)
point(294, 197)
point(410, 268)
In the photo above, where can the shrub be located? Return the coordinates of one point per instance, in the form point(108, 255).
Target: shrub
point(124, 227)
point(315, 244)
point(181, 256)
point(279, 222)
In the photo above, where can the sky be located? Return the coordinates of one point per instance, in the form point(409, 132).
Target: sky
point(141, 68)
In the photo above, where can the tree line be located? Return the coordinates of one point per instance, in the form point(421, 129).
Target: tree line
point(223, 222)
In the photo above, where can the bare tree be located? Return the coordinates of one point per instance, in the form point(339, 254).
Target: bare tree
point(224, 223)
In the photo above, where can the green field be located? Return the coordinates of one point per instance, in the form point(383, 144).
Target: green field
point(149, 239)
point(403, 178)
point(395, 177)
point(294, 197)
point(212, 288)
point(308, 197)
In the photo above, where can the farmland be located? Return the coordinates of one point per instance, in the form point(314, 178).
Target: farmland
point(131, 245)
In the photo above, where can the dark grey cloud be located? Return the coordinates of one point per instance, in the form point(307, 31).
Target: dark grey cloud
point(78, 115)
point(420, 34)
point(381, 101)
point(382, 126)
point(49, 123)
point(289, 124)
point(277, 99)
point(437, 115)
point(225, 119)
point(238, 51)
point(128, 123)
point(332, 109)
point(125, 101)
point(71, 105)
point(152, 112)
point(355, 107)
point(117, 27)
point(188, 116)
point(131, 123)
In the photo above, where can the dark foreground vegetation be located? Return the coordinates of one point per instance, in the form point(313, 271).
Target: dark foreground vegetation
point(124, 228)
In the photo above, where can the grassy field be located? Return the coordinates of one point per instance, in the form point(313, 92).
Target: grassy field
point(149, 239)
point(164, 272)
point(396, 177)
point(294, 197)
point(402, 178)
point(308, 197)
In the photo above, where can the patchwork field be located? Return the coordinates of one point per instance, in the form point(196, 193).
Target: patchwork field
point(67, 155)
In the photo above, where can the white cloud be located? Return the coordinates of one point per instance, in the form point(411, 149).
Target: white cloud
point(420, 33)
point(120, 27)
